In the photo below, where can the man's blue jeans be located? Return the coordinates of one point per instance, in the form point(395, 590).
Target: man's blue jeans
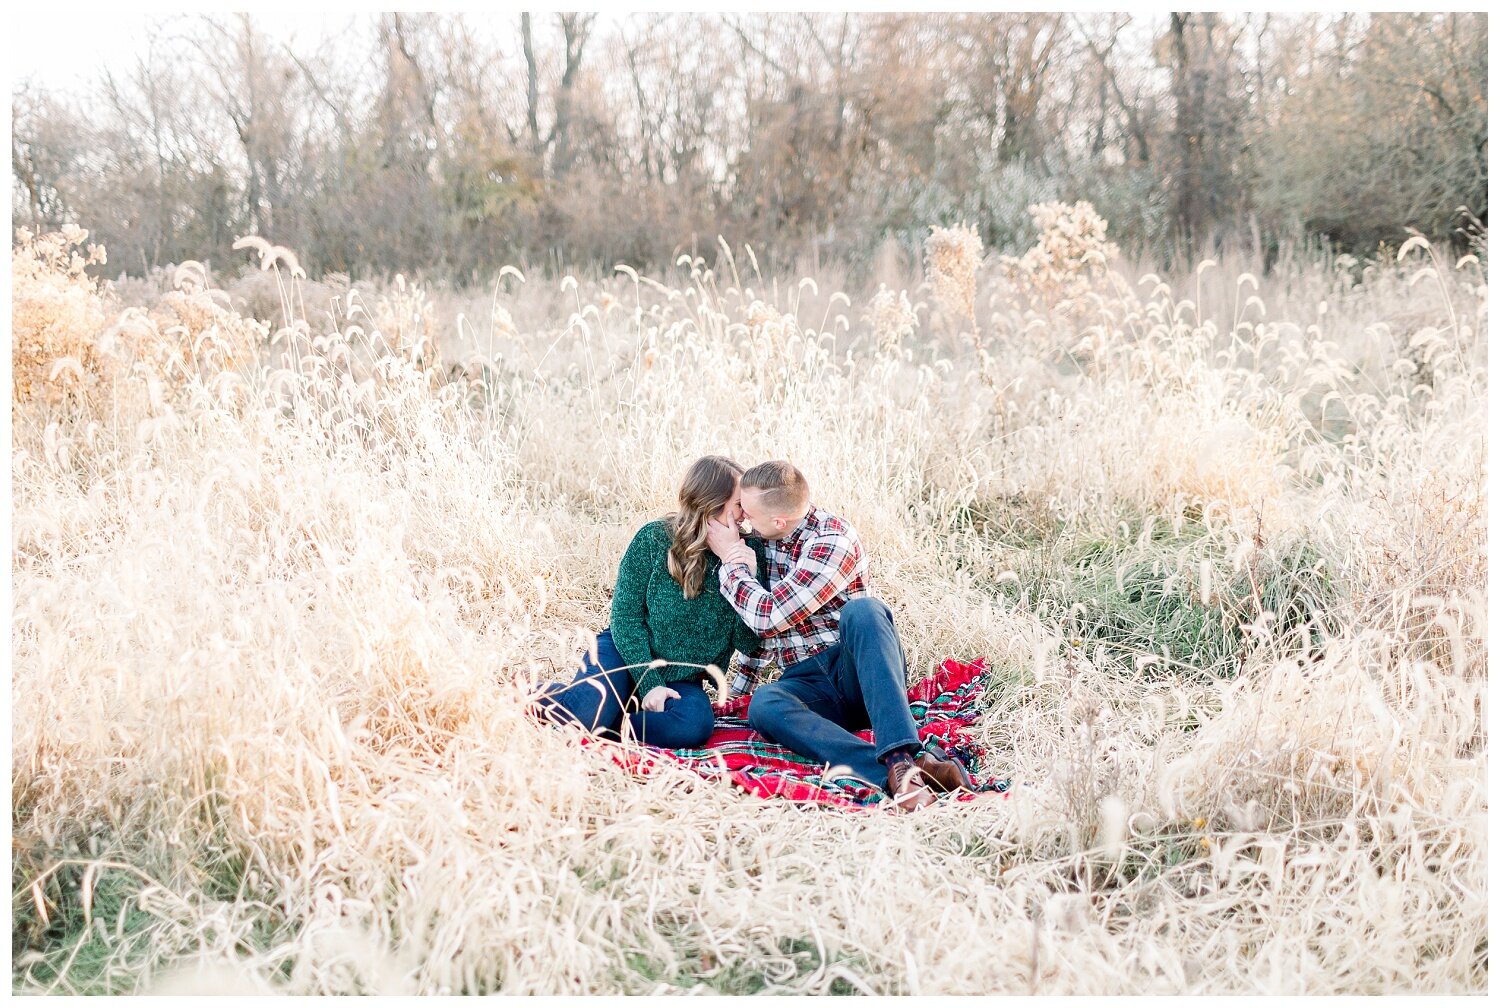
point(817, 704)
point(597, 697)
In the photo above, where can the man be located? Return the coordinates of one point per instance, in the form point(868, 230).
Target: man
point(842, 668)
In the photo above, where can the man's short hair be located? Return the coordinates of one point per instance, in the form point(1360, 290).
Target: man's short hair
point(781, 486)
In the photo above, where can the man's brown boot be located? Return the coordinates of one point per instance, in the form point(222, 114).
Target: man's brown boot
point(944, 772)
point(904, 782)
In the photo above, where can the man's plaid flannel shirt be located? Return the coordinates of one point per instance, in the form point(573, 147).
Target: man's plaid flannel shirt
point(812, 572)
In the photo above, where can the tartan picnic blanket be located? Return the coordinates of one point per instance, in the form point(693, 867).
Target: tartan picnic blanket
point(944, 705)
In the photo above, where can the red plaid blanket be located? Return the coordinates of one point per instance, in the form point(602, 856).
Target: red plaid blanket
point(944, 704)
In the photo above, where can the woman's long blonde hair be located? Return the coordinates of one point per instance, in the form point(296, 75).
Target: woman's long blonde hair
point(709, 484)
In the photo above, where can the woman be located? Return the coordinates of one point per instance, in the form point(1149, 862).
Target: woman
point(667, 609)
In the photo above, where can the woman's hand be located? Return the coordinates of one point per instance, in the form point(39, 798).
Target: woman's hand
point(656, 700)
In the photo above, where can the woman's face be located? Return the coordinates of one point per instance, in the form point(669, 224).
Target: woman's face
point(730, 513)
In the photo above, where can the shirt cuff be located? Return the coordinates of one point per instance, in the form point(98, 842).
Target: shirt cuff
point(744, 681)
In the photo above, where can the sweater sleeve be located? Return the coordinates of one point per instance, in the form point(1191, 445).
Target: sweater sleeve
point(627, 612)
point(647, 679)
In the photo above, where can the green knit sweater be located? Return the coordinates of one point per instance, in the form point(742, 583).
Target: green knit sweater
point(650, 618)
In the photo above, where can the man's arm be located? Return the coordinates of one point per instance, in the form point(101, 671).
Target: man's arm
point(827, 565)
point(746, 641)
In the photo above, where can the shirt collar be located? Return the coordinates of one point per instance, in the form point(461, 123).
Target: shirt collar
point(803, 527)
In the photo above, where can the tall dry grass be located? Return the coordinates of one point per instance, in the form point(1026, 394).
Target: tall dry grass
point(1223, 544)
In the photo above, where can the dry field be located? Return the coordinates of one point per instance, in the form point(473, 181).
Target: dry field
point(281, 586)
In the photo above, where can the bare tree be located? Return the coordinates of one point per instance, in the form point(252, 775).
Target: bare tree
point(1208, 99)
point(556, 148)
point(251, 82)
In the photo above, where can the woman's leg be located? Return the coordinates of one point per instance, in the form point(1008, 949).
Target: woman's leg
point(684, 723)
point(595, 699)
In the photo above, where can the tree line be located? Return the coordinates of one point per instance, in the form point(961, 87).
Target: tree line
point(454, 144)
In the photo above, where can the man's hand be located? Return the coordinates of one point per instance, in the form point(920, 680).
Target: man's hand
point(722, 539)
point(656, 700)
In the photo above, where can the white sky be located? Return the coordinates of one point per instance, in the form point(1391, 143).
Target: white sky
point(58, 47)
point(62, 48)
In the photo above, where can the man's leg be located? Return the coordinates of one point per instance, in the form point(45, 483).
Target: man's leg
point(870, 676)
point(802, 711)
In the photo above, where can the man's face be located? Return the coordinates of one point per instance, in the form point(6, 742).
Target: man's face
point(765, 521)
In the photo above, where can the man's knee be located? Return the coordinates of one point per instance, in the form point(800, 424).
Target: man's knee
point(864, 611)
point(766, 705)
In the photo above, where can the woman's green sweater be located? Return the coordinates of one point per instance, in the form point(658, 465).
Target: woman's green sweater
point(650, 618)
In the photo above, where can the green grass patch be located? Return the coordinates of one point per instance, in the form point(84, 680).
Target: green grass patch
point(69, 952)
point(701, 970)
point(99, 937)
point(1137, 597)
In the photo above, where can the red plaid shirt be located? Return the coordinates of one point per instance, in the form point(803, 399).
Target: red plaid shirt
point(811, 573)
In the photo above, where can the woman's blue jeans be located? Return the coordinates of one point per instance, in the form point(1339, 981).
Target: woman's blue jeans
point(598, 698)
point(818, 704)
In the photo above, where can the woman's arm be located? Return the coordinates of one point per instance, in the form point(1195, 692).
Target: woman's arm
point(627, 613)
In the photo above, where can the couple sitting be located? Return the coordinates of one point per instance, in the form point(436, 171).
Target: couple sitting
point(691, 593)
